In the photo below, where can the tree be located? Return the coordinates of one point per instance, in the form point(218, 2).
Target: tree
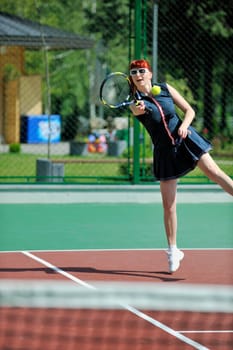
point(194, 41)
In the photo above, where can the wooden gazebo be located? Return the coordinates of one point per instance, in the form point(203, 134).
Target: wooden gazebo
point(17, 35)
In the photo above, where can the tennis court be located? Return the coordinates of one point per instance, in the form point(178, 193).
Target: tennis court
point(88, 236)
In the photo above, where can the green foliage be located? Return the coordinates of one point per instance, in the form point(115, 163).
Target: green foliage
point(118, 11)
point(194, 55)
point(213, 17)
point(182, 86)
point(10, 72)
point(199, 49)
point(14, 148)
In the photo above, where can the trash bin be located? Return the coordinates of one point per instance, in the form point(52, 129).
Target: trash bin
point(116, 148)
point(46, 171)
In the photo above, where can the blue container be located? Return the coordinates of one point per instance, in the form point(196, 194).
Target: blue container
point(36, 129)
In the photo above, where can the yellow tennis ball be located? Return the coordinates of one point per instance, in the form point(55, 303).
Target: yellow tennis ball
point(155, 90)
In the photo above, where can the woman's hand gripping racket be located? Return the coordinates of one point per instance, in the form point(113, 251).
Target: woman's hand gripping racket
point(116, 91)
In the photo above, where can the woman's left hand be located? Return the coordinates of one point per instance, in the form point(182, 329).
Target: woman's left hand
point(183, 131)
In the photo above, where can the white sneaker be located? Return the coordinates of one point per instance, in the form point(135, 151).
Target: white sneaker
point(174, 259)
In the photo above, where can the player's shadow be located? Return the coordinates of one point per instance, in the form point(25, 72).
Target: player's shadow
point(159, 275)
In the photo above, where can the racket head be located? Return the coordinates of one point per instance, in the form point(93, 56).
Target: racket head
point(116, 90)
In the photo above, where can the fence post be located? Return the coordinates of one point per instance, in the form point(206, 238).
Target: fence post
point(136, 134)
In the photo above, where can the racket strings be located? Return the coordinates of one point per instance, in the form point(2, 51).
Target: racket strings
point(116, 90)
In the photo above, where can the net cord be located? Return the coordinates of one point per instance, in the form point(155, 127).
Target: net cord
point(112, 295)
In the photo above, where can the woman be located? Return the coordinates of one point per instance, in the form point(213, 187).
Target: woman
point(178, 148)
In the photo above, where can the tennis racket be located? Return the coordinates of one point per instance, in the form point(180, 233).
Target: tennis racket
point(116, 91)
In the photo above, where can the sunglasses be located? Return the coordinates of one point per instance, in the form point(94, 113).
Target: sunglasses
point(139, 70)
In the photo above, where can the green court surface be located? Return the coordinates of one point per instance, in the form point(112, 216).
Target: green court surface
point(112, 226)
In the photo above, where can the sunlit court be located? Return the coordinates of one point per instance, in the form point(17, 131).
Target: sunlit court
point(79, 272)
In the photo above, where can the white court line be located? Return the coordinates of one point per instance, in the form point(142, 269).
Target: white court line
point(111, 250)
point(114, 198)
point(58, 270)
point(223, 331)
point(125, 306)
point(108, 194)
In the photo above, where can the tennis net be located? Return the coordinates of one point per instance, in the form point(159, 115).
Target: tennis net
point(61, 315)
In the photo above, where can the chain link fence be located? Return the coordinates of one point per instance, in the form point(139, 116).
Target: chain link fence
point(53, 58)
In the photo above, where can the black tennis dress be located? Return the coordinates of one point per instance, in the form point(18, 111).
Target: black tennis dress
point(173, 157)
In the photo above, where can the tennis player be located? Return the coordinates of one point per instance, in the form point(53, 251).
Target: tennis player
point(178, 147)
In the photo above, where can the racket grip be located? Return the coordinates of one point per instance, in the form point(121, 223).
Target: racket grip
point(147, 108)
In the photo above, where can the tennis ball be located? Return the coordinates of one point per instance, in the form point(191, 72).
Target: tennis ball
point(155, 90)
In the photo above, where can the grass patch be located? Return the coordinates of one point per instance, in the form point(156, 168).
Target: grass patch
point(21, 168)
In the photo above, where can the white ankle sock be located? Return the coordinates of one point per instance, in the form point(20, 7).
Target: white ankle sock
point(172, 247)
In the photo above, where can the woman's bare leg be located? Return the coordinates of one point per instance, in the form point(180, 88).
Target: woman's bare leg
point(168, 192)
point(214, 173)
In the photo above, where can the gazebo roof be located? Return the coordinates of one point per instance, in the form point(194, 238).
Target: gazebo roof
point(18, 31)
